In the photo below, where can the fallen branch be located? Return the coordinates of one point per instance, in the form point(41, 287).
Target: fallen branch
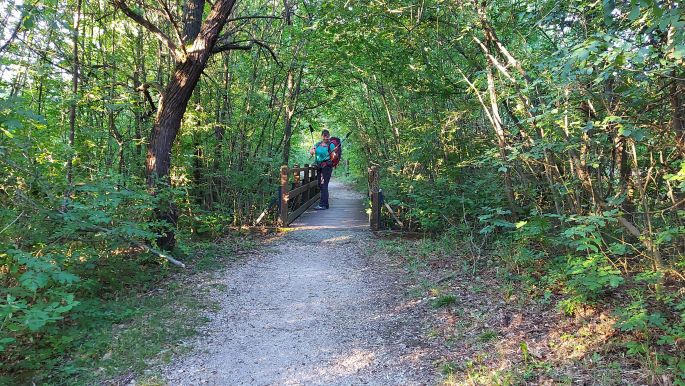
point(273, 203)
point(155, 252)
point(149, 249)
point(397, 220)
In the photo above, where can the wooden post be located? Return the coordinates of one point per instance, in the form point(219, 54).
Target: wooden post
point(381, 201)
point(312, 177)
point(305, 181)
point(374, 218)
point(283, 216)
point(296, 183)
point(347, 167)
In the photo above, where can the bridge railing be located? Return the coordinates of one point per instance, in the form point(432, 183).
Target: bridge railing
point(299, 190)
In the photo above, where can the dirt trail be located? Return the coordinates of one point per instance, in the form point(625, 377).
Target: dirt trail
point(313, 309)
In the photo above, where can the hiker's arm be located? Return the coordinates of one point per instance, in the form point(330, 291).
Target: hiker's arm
point(312, 151)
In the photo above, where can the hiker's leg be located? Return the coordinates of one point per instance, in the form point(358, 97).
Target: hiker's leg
point(325, 178)
point(323, 188)
point(328, 179)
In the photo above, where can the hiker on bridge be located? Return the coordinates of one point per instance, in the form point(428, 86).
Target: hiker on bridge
point(325, 155)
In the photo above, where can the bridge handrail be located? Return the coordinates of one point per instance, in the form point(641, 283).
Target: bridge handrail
point(298, 196)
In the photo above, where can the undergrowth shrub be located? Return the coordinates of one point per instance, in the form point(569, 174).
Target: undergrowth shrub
point(587, 278)
point(37, 293)
point(587, 261)
point(88, 248)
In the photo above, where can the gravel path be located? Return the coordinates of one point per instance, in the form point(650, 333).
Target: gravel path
point(314, 309)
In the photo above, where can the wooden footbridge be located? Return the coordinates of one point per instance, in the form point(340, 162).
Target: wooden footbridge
point(299, 193)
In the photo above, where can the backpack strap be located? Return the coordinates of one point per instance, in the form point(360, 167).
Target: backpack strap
point(330, 156)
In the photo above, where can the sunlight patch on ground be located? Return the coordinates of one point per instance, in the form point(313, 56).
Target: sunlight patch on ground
point(343, 366)
point(337, 239)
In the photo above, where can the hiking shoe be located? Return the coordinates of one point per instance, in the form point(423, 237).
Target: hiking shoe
point(319, 207)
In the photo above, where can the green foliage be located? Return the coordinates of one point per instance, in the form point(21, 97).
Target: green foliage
point(449, 368)
point(554, 145)
point(587, 278)
point(494, 219)
point(444, 301)
point(41, 297)
point(69, 257)
point(487, 336)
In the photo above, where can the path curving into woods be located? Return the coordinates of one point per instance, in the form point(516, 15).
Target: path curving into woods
point(315, 308)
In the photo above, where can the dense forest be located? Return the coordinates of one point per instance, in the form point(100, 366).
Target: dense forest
point(546, 135)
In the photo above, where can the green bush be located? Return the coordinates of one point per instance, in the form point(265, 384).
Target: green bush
point(38, 292)
point(90, 250)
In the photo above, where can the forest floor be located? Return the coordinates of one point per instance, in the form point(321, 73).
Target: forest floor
point(486, 330)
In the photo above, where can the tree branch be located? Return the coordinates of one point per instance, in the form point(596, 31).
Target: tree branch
point(170, 17)
point(145, 23)
point(144, 88)
point(316, 106)
point(253, 17)
point(494, 60)
point(237, 28)
point(44, 56)
point(266, 47)
point(235, 46)
point(14, 34)
point(230, 46)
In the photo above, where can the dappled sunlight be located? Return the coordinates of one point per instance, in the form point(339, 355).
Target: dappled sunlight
point(558, 345)
point(346, 213)
point(482, 332)
point(345, 367)
point(342, 366)
point(490, 342)
point(407, 305)
point(338, 239)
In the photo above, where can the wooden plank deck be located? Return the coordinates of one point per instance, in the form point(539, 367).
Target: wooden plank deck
point(347, 211)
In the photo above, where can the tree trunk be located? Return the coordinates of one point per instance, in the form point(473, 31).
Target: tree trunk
point(192, 19)
point(72, 108)
point(138, 81)
point(289, 111)
point(677, 115)
point(501, 142)
point(172, 107)
point(293, 87)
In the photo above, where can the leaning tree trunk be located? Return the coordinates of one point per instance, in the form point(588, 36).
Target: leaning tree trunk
point(172, 107)
point(73, 105)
